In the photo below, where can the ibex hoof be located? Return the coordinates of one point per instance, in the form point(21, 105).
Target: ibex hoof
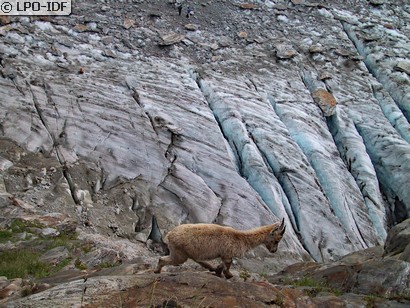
point(218, 271)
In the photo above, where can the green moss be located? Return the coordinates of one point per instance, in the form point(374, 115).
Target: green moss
point(5, 235)
point(22, 263)
point(27, 291)
point(336, 292)
point(308, 282)
point(62, 264)
point(106, 265)
point(87, 247)
point(62, 240)
point(80, 265)
point(19, 226)
point(316, 286)
point(264, 275)
point(244, 275)
point(370, 300)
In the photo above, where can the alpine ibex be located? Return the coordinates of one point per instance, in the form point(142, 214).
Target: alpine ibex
point(201, 242)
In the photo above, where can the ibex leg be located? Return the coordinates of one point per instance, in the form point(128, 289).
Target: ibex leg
point(169, 260)
point(227, 265)
point(206, 265)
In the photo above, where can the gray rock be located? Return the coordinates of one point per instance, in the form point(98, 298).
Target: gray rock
point(55, 255)
point(285, 51)
point(128, 23)
point(377, 2)
point(403, 66)
point(384, 277)
point(11, 289)
point(49, 232)
point(191, 27)
point(170, 39)
point(5, 164)
point(316, 48)
point(102, 257)
point(398, 241)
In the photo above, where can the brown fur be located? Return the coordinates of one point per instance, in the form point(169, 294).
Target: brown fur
point(201, 242)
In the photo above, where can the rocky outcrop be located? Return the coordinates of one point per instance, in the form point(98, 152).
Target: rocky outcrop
point(398, 242)
point(382, 272)
point(365, 278)
point(144, 290)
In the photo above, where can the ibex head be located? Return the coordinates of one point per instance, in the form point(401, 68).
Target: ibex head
point(272, 240)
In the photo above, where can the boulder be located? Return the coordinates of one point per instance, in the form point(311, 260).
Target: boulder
point(5, 164)
point(248, 6)
point(284, 52)
point(170, 39)
point(325, 100)
point(10, 289)
point(191, 27)
point(398, 241)
point(128, 23)
point(376, 2)
point(49, 232)
point(363, 272)
point(403, 66)
point(55, 255)
point(384, 277)
point(4, 20)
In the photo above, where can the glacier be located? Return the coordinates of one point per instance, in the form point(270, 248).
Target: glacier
point(303, 114)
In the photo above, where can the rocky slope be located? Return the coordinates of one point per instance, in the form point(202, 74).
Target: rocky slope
point(241, 115)
point(374, 277)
